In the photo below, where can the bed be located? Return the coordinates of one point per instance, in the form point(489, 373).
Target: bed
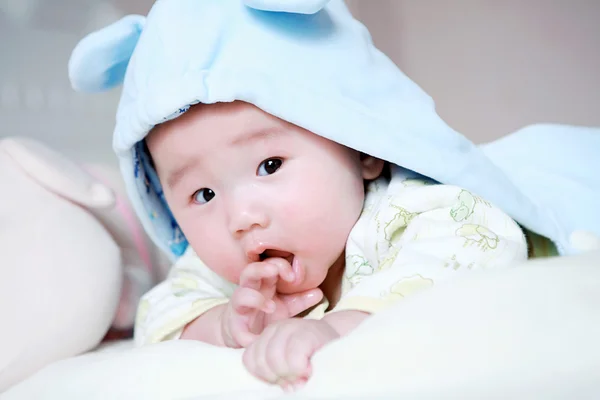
point(529, 331)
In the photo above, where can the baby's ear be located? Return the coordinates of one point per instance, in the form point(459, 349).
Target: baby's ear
point(99, 61)
point(290, 6)
point(371, 166)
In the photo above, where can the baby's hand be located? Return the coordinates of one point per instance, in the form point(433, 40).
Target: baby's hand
point(282, 353)
point(255, 303)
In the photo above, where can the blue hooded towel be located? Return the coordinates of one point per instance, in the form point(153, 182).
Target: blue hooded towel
point(311, 63)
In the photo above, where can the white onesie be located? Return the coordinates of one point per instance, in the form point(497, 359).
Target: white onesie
point(411, 234)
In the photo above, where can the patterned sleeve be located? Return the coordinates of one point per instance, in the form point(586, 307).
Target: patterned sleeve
point(414, 233)
point(190, 290)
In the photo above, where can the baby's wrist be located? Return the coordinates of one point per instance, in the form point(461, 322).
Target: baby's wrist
point(225, 327)
point(207, 327)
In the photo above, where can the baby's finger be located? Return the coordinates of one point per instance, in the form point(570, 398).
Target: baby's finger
point(269, 335)
point(299, 302)
point(243, 337)
point(254, 357)
point(299, 383)
point(246, 300)
point(284, 268)
point(254, 274)
point(276, 355)
point(292, 384)
point(285, 385)
point(297, 357)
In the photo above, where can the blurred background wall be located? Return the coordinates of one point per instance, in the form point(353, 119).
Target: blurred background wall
point(36, 99)
point(492, 66)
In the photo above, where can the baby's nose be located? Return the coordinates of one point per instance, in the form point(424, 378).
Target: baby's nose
point(247, 216)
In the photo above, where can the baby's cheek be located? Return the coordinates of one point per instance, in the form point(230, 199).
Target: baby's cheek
point(230, 276)
point(218, 257)
point(226, 266)
point(288, 210)
point(292, 200)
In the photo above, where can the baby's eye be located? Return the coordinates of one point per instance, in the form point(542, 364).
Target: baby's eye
point(203, 196)
point(269, 166)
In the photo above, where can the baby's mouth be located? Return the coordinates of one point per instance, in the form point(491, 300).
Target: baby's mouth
point(297, 268)
point(271, 253)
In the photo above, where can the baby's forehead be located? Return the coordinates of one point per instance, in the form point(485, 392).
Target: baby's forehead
point(235, 123)
point(219, 126)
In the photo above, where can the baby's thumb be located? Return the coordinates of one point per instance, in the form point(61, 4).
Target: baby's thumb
point(244, 339)
point(298, 302)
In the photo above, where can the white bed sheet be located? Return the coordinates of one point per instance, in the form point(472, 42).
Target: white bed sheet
point(521, 333)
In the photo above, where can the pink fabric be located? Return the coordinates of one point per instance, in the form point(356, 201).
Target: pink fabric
point(137, 234)
point(133, 285)
point(123, 208)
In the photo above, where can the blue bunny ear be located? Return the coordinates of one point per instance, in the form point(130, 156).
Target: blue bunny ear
point(99, 61)
point(291, 6)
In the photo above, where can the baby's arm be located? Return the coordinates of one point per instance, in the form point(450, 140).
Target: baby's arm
point(207, 327)
point(191, 292)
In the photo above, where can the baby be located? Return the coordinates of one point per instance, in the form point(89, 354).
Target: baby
point(269, 149)
point(280, 219)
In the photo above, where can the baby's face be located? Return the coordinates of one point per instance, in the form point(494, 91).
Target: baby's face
point(244, 185)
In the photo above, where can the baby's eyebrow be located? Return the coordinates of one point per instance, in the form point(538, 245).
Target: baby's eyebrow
point(174, 177)
point(259, 134)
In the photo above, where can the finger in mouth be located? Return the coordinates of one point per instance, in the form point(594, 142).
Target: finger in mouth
point(271, 253)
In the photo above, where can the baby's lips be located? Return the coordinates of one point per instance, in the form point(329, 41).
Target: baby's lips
point(298, 270)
